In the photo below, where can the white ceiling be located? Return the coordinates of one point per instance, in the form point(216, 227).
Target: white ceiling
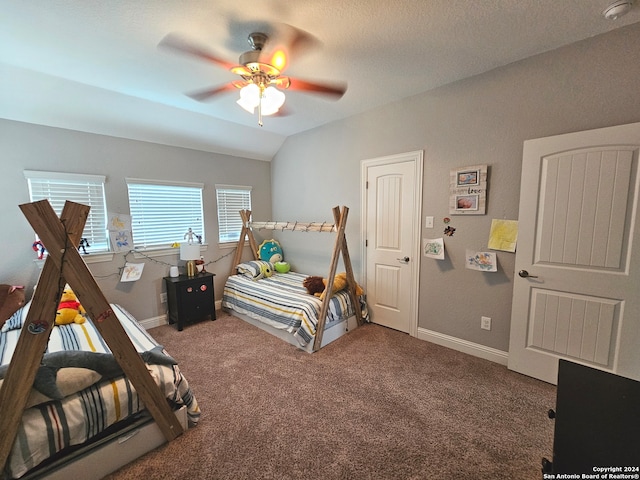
point(95, 65)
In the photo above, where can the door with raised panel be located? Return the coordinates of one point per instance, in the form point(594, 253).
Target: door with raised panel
point(392, 230)
point(577, 284)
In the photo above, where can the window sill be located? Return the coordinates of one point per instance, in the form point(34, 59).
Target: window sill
point(229, 244)
point(162, 252)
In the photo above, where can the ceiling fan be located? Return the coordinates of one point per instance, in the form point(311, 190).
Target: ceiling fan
point(261, 72)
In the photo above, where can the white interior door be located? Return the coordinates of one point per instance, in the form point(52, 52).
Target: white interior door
point(392, 209)
point(579, 242)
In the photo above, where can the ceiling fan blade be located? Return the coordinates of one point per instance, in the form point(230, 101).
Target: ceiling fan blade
point(300, 41)
point(202, 95)
point(181, 45)
point(336, 90)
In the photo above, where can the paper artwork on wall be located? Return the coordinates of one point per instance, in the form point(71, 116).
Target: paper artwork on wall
point(468, 190)
point(132, 272)
point(433, 248)
point(120, 240)
point(481, 261)
point(503, 235)
point(119, 226)
point(119, 221)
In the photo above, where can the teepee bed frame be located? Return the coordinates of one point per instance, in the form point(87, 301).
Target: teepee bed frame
point(323, 336)
point(159, 422)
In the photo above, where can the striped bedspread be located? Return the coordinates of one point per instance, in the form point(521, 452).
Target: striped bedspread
point(49, 427)
point(282, 302)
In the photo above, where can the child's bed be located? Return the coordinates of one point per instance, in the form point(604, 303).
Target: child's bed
point(97, 397)
point(281, 305)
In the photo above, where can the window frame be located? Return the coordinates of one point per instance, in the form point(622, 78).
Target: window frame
point(94, 197)
point(146, 244)
point(223, 223)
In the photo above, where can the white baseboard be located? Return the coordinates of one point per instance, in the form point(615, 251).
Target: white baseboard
point(164, 319)
point(154, 322)
point(475, 349)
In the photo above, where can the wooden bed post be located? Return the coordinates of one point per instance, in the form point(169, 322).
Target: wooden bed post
point(351, 279)
point(30, 347)
point(65, 265)
point(340, 247)
point(246, 232)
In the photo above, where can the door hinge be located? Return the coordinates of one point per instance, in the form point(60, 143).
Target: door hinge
point(366, 243)
point(366, 185)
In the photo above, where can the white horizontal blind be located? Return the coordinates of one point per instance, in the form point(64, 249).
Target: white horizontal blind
point(231, 199)
point(163, 212)
point(84, 189)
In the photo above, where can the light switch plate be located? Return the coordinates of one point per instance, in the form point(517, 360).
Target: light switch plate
point(428, 222)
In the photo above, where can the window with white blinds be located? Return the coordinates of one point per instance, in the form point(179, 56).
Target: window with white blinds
point(163, 212)
point(231, 199)
point(79, 188)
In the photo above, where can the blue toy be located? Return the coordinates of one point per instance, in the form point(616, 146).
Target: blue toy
point(270, 251)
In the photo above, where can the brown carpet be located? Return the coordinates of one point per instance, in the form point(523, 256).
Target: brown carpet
point(375, 404)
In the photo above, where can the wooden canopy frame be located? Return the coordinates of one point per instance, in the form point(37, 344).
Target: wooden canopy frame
point(65, 265)
point(340, 248)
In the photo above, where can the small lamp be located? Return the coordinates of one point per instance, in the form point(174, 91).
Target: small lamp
point(190, 252)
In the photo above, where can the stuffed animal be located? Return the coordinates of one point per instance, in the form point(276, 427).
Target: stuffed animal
point(282, 267)
point(339, 283)
point(11, 299)
point(265, 271)
point(270, 251)
point(317, 285)
point(69, 310)
point(314, 285)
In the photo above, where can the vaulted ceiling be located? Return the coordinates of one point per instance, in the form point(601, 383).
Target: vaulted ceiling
point(95, 66)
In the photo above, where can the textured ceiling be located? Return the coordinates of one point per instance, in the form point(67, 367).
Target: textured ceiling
point(95, 65)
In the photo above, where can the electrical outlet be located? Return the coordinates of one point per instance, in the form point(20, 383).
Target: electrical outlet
point(485, 323)
point(163, 298)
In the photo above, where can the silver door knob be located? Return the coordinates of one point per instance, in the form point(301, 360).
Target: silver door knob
point(405, 259)
point(525, 274)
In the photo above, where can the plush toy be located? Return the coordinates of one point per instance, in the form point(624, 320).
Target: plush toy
point(11, 299)
point(282, 267)
point(270, 251)
point(339, 283)
point(313, 285)
point(265, 271)
point(317, 285)
point(69, 310)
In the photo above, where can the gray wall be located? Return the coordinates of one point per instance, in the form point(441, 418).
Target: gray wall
point(480, 120)
point(32, 147)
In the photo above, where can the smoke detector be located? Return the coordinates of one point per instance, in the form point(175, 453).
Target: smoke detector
point(617, 9)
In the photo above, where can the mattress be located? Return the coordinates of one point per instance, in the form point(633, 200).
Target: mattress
point(282, 302)
point(105, 398)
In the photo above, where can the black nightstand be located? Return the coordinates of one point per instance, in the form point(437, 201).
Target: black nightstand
point(190, 298)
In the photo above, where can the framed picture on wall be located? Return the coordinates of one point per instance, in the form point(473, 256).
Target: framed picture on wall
point(468, 190)
point(467, 202)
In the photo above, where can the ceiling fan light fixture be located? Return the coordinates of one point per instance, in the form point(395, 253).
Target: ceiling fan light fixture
point(267, 100)
point(249, 97)
point(272, 100)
